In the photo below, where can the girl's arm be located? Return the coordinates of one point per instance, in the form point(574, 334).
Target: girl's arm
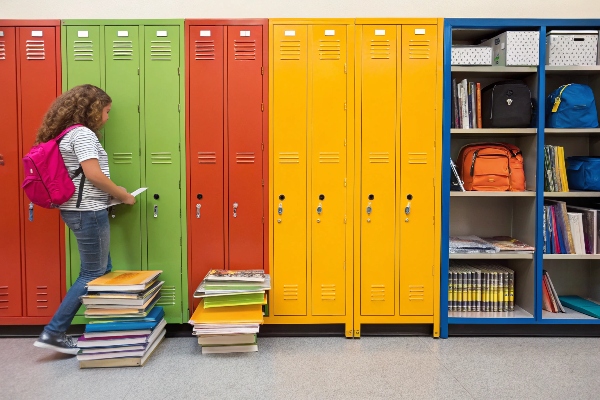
point(93, 173)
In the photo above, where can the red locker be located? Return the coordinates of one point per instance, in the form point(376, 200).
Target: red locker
point(10, 246)
point(227, 129)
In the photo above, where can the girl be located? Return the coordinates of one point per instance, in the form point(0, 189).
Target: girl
point(87, 217)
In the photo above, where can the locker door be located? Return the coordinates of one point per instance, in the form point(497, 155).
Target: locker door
point(10, 245)
point(163, 163)
point(378, 162)
point(328, 158)
point(37, 54)
point(290, 76)
point(83, 56)
point(245, 130)
point(206, 93)
point(122, 141)
point(419, 49)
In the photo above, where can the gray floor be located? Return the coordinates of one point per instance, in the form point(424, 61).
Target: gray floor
point(320, 368)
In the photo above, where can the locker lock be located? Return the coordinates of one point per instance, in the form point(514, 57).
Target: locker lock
point(281, 197)
point(156, 196)
point(321, 197)
point(199, 196)
point(371, 197)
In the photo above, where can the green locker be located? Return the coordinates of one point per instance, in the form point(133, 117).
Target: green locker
point(138, 63)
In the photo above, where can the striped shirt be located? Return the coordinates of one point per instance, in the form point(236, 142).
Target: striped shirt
point(79, 145)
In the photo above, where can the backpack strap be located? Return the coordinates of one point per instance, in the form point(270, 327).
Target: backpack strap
point(77, 172)
point(67, 130)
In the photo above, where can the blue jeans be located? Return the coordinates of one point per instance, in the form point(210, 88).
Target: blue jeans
point(92, 232)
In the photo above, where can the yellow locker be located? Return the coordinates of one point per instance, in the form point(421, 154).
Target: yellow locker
point(327, 197)
point(417, 194)
point(378, 104)
point(289, 143)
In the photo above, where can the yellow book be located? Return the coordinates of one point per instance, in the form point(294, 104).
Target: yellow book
point(116, 281)
point(563, 169)
point(248, 314)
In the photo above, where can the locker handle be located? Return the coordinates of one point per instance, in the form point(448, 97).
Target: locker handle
point(235, 207)
point(155, 211)
point(369, 208)
point(198, 210)
point(30, 212)
point(280, 209)
point(407, 208)
point(320, 209)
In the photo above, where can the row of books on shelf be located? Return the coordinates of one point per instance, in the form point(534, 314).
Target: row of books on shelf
point(570, 229)
point(555, 170)
point(472, 244)
point(480, 287)
point(466, 104)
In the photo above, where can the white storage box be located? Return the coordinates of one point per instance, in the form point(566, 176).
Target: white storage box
point(572, 48)
point(515, 48)
point(471, 55)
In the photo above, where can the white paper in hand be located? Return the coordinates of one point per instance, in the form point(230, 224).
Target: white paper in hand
point(114, 202)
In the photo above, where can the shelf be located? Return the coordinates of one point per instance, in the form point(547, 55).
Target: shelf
point(571, 256)
point(493, 72)
point(491, 256)
point(572, 194)
point(495, 131)
point(568, 315)
point(572, 132)
point(573, 69)
point(491, 194)
point(471, 317)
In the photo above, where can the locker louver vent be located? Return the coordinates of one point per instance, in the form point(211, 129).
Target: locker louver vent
point(207, 157)
point(2, 50)
point(83, 50)
point(328, 292)
point(289, 50)
point(4, 297)
point(416, 292)
point(329, 50)
point(167, 296)
point(289, 158)
point(160, 50)
point(35, 50)
point(244, 50)
point(377, 292)
point(380, 49)
point(419, 49)
point(290, 292)
point(329, 157)
point(41, 297)
point(205, 49)
point(244, 158)
point(163, 157)
point(417, 158)
point(379, 158)
point(122, 158)
point(122, 50)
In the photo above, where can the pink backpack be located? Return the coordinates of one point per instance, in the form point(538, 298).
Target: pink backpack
point(47, 182)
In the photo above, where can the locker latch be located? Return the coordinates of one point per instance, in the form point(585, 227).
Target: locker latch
point(235, 207)
point(31, 212)
point(407, 208)
point(280, 209)
point(155, 211)
point(369, 208)
point(198, 210)
point(1, 160)
point(320, 209)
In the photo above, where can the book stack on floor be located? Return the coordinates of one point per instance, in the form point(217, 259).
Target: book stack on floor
point(570, 230)
point(231, 310)
point(480, 287)
point(125, 324)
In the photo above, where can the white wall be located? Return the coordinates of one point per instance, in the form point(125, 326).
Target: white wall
point(64, 9)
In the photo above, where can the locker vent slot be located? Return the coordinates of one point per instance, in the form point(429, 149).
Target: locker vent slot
point(163, 157)
point(3, 301)
point(289, 158)
point(329, 157)
point(205, 49)
point(244, 158)
point(290, 292)
point(160, 50)
point(167, 296)
point(244, 50)
point(380, 49)
point(328, 292)
point(416, 292)
point(419, 49)
point(379, 158)
point(377, 292)
point(42, 296)
point(2, 50)
point(207, 157)
point(122, 50)
point(35, 50)
point(289, 50)
point(417, 158)
point(330, 50)
point(83, 50)
point(122, 158)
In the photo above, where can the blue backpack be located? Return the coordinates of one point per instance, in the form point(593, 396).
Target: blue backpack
point(571, 106)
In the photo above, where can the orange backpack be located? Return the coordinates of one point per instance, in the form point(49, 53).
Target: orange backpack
point(493, 167)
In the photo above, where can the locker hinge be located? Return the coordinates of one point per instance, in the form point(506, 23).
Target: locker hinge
point(345, 68)
point(262, 70)
point(179, 107)
point(344, 265)
point(262, 146)
point(345, 182)
point(178, 71)
point(263, 182)
point(344, 142)
point(262, 106)
point(138, 70)
point(345, 219)
point(263, 219)
point(180, 241)
point(345, 106)
point(140, 152)
point(179, 184)
point(179, 147)
point(138, 108)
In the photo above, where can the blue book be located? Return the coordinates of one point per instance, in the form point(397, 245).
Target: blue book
point(149, 322)
point(581, 305)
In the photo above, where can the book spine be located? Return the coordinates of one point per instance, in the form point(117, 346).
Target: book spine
point(450, 289)
point(479, 122)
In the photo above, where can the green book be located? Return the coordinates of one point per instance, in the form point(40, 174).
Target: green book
point(234, 300)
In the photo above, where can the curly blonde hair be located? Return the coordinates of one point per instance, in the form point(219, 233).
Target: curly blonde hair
point(81, 105)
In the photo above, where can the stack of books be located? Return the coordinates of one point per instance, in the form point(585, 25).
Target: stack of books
point(493, 244)
point(125, 326)
point(570, 229)
point(550, 299)
point(466, 105)
point(231, 310)
point(555, 176)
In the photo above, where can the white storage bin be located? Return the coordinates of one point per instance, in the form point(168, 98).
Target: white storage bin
point(515, 48)
point(471, 55)
point(568, 48)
